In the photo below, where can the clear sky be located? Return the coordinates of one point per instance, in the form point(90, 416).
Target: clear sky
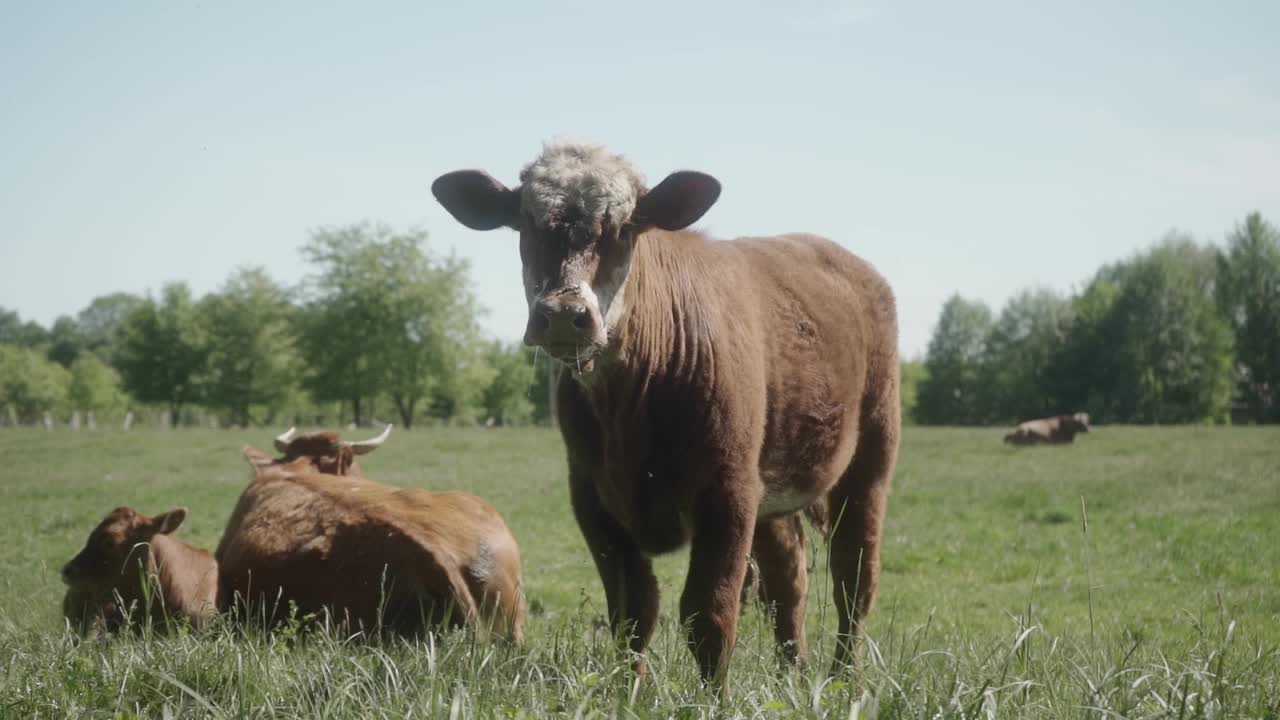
point(980, 147)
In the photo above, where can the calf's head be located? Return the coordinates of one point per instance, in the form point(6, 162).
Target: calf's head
point(579, 210)
point(115, 546)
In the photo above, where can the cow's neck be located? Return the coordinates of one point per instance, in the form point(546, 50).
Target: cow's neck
point(659, 331)
point(178, 565)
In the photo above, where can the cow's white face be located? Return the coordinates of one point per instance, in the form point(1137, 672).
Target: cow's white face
point(575, 277)
point(580, 212)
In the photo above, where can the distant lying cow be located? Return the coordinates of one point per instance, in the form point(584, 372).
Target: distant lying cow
point(372, 555)
point(1057, 430)
point(105, 580)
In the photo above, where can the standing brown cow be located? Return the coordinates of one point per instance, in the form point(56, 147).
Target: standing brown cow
point(1056, 430)
point(375, 556)
point(712, 390)
point(105, 580)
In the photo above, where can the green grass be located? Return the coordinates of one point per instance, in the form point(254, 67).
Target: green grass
point(994, 601)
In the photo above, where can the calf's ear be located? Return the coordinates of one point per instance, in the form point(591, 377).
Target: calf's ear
point(165, 523)
point(477, 200)
point(677, 202)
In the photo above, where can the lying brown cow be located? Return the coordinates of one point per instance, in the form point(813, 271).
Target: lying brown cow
point(1057, 430)
point(105, 580)
point(374, 556)
point(324, 452)
point(711, 391)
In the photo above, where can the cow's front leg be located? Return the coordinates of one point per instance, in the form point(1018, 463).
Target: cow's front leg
point(630, 588)
point(724, 518)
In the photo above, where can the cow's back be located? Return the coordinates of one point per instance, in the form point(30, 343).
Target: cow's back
point(480, 542)
point(288, 542)
point(366, 549)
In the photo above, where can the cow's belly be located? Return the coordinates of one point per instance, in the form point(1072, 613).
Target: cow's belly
point(657, 519)
point(783, 497)
point(804, 458)
point(650, 500)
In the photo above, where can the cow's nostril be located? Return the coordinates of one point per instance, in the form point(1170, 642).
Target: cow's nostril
point(582, 321)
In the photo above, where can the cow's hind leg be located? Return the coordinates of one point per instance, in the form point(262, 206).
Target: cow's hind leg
point(857, 507)
point(779, 551)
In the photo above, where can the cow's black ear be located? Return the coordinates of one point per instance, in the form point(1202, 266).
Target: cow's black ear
point(677, 202)
point(165, 523)
point(476, 199)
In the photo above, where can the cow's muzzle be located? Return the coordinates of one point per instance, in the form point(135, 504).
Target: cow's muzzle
point(566, 326)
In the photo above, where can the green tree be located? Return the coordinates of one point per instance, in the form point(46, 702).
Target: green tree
point(1030, 331)
point(506, 399)
point(65, 342)
point(952, 392)
point(460, 396)
point(163, 351)
point(31, 384)
point(385, 317)
point(912, 374)
point(432, 334)
point(1078, 375)
point(250, 346)
point(545, 373)
point(95, 387)
point(101, 324)
point(1249, 293)
point(15, 332)
point(1169, 346)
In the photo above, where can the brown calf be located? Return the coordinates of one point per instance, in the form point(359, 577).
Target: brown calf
point(373, 556)
point(105, 580)
point(710, 391)
point(1057, 430)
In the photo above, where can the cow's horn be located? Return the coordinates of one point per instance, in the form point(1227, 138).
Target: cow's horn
point(363, 446)
point(282, 440)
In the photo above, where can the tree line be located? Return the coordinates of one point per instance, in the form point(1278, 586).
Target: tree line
point(1182, 332)
point(380, 328)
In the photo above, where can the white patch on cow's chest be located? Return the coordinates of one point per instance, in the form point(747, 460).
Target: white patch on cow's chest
point(780, 498)
point(589, 296)
point(613, 296)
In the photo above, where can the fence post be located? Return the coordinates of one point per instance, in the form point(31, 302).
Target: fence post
point(48, 421)
point(128, 420)
point(90, 421)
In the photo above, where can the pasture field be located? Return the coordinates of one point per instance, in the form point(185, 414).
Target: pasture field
point(995, 600)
